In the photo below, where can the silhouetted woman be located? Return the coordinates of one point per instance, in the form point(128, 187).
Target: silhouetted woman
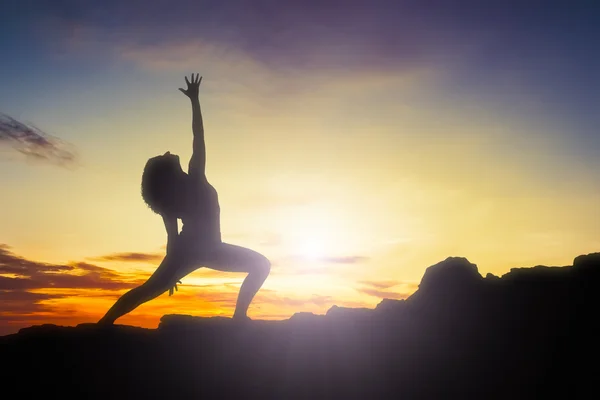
point(173, 194)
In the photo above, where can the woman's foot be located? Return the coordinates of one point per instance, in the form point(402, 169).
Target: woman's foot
point(240, 319)
point(105, 322)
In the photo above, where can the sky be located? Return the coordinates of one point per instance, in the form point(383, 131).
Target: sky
point(353, 143)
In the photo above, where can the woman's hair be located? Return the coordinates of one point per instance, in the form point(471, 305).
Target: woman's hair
point(158, 183)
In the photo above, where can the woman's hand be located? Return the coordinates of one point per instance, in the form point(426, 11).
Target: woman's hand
point(174, 287)
point(192, 87)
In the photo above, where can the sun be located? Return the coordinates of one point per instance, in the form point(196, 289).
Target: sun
point(314, 233)
point(312, 249)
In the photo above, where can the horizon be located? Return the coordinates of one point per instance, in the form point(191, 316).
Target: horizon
point(353, 145)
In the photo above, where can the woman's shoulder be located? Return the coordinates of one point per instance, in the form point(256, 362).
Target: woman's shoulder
point(202, 186)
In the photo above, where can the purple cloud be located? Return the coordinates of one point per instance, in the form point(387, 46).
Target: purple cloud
point(383, 294)
point(132, 257)
point(33, 143)
point(27, 275)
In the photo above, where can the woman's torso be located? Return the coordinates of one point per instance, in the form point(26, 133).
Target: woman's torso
point(200, 214)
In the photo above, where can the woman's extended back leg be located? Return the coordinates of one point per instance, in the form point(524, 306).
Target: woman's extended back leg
point(161, 280)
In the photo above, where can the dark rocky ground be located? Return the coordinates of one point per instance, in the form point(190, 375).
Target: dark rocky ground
point(532, 333)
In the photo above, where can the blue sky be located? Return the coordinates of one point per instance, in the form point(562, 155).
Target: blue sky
point(526, 57)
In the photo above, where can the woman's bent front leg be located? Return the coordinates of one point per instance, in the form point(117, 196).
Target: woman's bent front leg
point(233, 258)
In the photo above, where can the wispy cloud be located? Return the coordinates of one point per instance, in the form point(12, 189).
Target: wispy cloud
point(20, 274)
point(295, 265)
point(355, 259)
point(34, 143)
point(232, 38)
point(345, 259)
point(33, 292)
point(20, 308)
point(380, 289)
point(383, 294)
point(272, 298)
point(25, 301)
point(131, 257)
point(381, 284)
point(10, 263)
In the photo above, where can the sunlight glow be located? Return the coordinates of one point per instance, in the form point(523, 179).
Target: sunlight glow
point(313, 249)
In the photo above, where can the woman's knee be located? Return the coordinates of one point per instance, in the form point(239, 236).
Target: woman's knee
point(262, 265)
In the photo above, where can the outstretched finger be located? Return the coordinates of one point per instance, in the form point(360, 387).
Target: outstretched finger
point(186, 79)
point(182, 91)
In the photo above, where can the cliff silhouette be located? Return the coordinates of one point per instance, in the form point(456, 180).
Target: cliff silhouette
point(531, 333)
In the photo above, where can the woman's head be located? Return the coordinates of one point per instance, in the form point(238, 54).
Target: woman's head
point(162, 181)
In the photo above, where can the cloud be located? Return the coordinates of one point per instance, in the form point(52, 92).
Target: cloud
point(272, 298)
point(298, 32)
point(7, 283)
point(19, 309)
point(35, 144)
point(18, 273)
point(305, 265)
point(490, 47)
point(13, 264)
point(279, 35)
point(131, 257)
point(383, 294)
point(218, 299)
point(331, 259)
point(379, 289)
point(33, 292)
point(18, 302)
point(381, 284)
point(345, 259)
point(491, 50)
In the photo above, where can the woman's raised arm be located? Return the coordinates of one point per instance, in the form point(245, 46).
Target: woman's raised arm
point(197, 166)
